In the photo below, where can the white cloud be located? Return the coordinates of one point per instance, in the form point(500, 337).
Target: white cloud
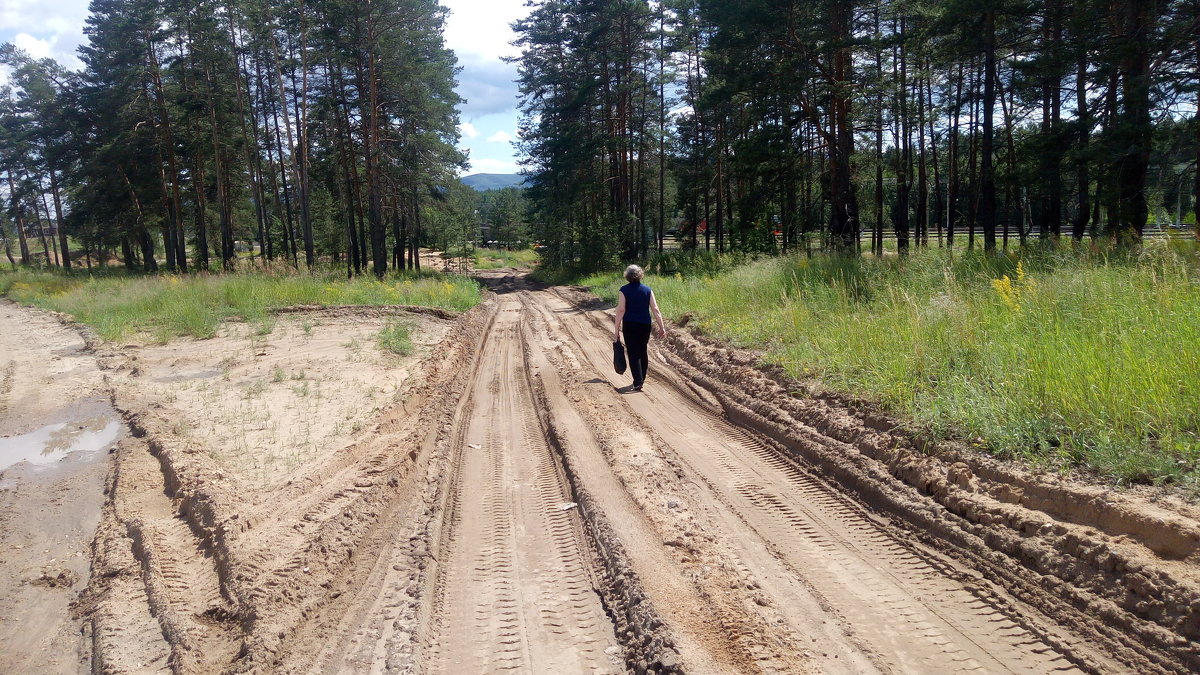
point(38, 49)
point(487, 165)
point(681, 111)
point(487, 84)
point(482, 27)
point(53, 29)
point(499, 137)
point(467, 129)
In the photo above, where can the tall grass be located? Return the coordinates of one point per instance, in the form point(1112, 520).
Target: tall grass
point(1067, 357)
point(168, 306)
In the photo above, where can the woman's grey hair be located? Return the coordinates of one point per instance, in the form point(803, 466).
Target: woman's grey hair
point(634, 273)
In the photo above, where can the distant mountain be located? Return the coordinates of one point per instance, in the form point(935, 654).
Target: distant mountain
point(492, 181)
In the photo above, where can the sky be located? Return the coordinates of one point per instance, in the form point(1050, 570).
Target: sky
point(477, 30)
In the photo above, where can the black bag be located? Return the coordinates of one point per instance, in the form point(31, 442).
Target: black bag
point(619, 363)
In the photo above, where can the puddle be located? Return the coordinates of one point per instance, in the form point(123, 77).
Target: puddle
point(186, 377)
point(51, 443)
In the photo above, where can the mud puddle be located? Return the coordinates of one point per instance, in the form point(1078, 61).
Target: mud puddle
point(89, 430)
point(56, 424)
point(51, 496)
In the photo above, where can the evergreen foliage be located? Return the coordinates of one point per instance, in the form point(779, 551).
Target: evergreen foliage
point(200, 132)
point(836, 124)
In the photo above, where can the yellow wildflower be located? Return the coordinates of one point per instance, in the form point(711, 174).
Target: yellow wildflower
point(1008, 291)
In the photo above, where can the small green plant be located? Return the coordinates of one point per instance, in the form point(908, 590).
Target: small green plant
point(256, 388)
point(277, 375)
point(307, 327)
point(396, 338)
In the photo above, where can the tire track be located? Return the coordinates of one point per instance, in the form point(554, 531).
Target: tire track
point(755, 617)
point(181, 580)
point(515, 588)
point(914, 607)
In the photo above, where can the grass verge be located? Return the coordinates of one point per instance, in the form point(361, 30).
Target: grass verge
point(494, 259)
point(1064, 357)
point(167, 306)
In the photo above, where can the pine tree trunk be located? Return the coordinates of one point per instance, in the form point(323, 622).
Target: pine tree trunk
point(369, 92)
point(1136, 125)
point(58, 216)
point(952, 188)
point(901, 216)
point(1054, 165)
point(249, 140)
point(289, 229)
point(174, 224)
point(720, 149)
point(1014, 211)
point(922, 173)
point(987, 199)
point(933, 146)
point(228, 254)
point(662, 127)
point(1196, 122)
point(843, 222)
point(973, 161)
point(1081, 166)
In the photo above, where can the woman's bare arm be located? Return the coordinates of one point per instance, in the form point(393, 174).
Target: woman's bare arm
point(662, 327)
point(620, 316)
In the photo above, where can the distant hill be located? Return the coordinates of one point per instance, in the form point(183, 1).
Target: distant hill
point(492, 181)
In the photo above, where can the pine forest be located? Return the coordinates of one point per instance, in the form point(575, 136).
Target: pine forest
point(327, 130)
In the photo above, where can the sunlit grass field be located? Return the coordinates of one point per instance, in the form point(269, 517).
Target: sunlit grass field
point(494, 259)
point(167, 306)
point(1065, 357)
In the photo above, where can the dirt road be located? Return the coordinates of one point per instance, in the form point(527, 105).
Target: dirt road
point(513, 508)
point(55, 424)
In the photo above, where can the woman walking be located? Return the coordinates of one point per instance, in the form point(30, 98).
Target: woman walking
point(634, 306)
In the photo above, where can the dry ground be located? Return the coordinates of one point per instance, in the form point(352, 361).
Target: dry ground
point(302, 502)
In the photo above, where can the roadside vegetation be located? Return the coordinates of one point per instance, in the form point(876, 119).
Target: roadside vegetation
point(1064, 357)
point(396, 337)
point(163, 307)
point(494, 259)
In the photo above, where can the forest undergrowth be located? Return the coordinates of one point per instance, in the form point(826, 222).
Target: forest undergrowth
point(162, 307)
point(1068, 356)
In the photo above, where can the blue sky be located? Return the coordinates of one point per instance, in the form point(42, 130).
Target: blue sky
point(477, 30)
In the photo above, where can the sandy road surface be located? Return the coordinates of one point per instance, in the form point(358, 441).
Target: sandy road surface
point(693, 544)
point(511, 508)
point(516, 583)
point(55, 423)
point(792, 541)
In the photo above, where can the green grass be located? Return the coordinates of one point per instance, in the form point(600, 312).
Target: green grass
point(1085, 358)
point(167, 306)
point(494, 259)
point(396, 338)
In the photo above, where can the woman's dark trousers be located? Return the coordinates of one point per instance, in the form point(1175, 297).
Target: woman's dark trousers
point(637, 336)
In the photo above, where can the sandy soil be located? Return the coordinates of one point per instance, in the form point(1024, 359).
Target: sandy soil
point(501, 501)
point(55, 423)
point(265, 407)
